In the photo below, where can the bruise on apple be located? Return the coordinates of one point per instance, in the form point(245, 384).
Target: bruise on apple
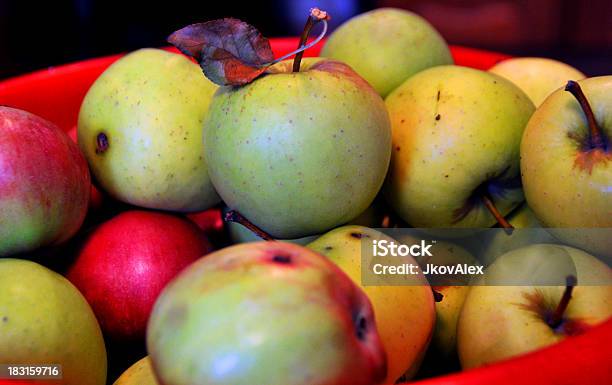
point(282, 259)
point(102, 143)
point(358, 235)
point(361, 326)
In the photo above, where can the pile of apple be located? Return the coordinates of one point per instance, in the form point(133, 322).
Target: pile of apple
point(316, 153)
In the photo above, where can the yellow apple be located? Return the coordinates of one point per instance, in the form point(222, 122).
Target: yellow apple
point(538, 77)
point(505, 315)
point(405, 315)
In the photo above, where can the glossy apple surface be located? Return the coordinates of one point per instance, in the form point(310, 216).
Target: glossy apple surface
point(126, 262)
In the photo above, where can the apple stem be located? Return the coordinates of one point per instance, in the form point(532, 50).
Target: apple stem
point(235, 216)
point(596, 137)
point(557, 316)
point(315, 16)
point(498, 217)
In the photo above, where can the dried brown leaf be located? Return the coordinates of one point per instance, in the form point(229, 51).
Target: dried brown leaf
point(230, 51)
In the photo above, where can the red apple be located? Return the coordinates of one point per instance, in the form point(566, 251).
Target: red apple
point(126, 262)
point(44, 183)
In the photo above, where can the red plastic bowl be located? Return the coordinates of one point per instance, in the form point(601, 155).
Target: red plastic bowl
point(56, 94)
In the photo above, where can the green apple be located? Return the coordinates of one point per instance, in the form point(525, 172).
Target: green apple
point(456, 138)
point(404, 313)
point(566, 164)
point(537, 76)
point(299, 153)
point(386, 46)
point(140, 373)
point(140, 128)
point(44, 319)
point(498, 322)
point(528, 231)
point(264, 313)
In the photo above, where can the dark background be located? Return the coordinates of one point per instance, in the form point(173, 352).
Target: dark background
point(38, 34)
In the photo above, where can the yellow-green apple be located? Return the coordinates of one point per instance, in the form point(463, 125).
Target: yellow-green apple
point(45, 320)
point(386, 46)
point(264, 313)
point(456, 138)
point(140, 127)
point(566, 163)
point(537, 76)
point(123, 265)
point(298, 153)
point(44, 183)
point(404, 313)
point(505, 314)
point(140, 373)
point(528, 231)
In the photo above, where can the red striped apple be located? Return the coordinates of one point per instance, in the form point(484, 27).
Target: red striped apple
point(44, 183)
